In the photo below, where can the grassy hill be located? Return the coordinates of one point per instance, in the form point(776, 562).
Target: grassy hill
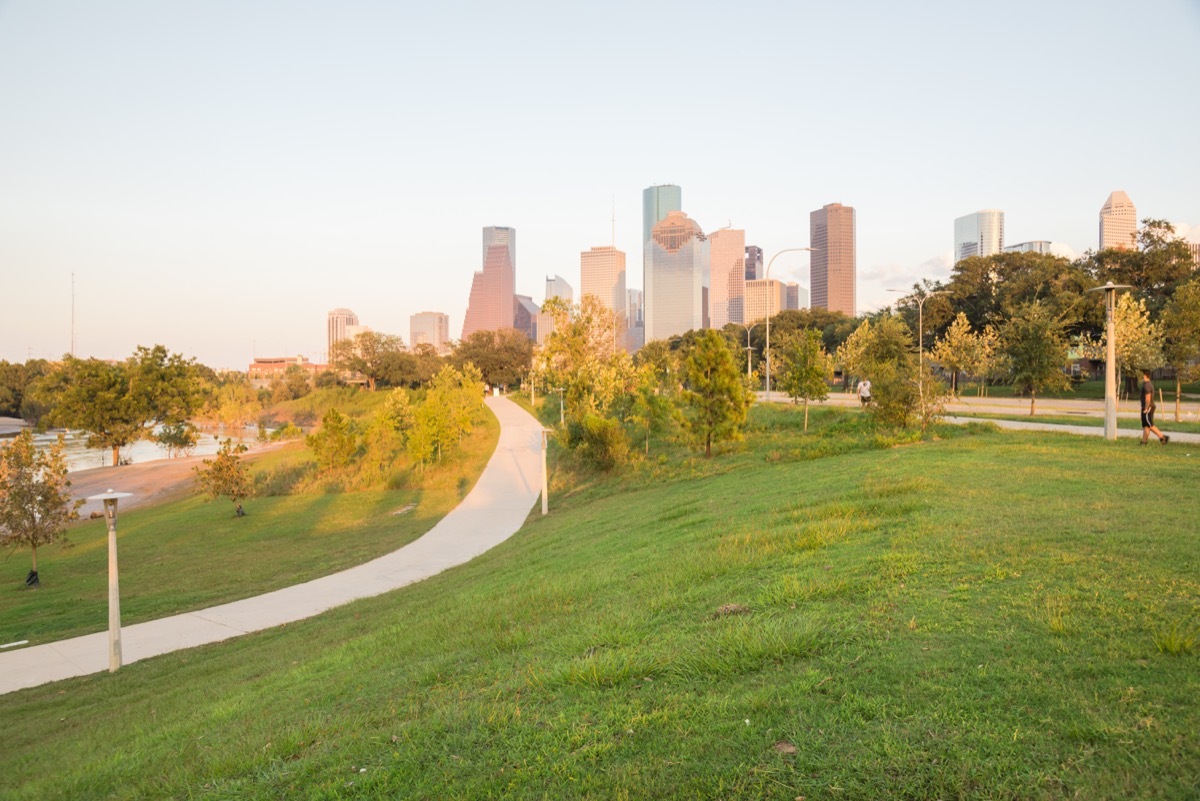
point(842, 614)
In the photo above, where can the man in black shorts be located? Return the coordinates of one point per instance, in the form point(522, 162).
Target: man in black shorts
point(1148, 411)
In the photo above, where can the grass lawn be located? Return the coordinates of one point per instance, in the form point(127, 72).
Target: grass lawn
point(189, 554)
point(841, 615)
point(1086, 390)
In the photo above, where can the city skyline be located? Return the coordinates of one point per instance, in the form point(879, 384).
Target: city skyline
point(217, 178)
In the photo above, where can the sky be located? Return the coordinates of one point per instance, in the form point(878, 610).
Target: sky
point(217, 176)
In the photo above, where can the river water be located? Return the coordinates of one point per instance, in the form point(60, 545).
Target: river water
point(81, 457)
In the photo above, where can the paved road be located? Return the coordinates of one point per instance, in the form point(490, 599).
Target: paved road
point(492, 512)
point(1189, 410)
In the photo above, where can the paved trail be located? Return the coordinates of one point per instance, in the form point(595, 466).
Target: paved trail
point(492, 512)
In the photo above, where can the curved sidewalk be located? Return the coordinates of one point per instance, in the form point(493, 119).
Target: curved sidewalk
point(492, 512)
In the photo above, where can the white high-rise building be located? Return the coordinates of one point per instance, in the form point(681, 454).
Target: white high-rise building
point(430, 328)
point(556, 287)
point(677, 271)
point(336, 324)
point(764, 296)
point(979, 234)
point(1118, 222)
point(727, 276)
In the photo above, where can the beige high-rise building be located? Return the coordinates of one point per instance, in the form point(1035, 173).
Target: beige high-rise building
point(764, 296)
point(602, 274)
point(336, 324)
point(727, 276)
point(430, 328)
point(833, 273)
point(1118, 222)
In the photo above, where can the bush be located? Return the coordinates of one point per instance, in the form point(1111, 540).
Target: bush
point(602, 442)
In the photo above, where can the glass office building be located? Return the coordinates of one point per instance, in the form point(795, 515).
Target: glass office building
point(677, 274)
point(727, 276)
point(978, 234)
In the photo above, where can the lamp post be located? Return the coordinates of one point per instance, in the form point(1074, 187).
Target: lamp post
point(561, 408)
point(767, 277)
point(748, 348)
point(921, 344)
point(545, 474)
point(110, 499)
point(1110, 357)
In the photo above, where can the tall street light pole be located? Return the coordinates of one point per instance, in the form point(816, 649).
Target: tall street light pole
point(921, 343)
point(767, 277)
point(748, 348)
point(110, 499)
point(1110, 357)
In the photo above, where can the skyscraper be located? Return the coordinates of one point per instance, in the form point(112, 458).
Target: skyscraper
point(335, 326)
point(978, 234)
point(1033, 246)
point(754, 262)
point(490, 307)
point(556, 287)
point(1118, 222)
point(525, 316)
point(677, 265)
point(764, 296)
point(727, 276)
point(602, 274)
point(657, 202)
point(833, 271)
point(797, 296)
point(429, 328)
point(635, 335)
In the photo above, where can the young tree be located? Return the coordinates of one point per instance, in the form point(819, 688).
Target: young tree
point(806, 368)
point(226, 475)
point(650, 408)
point(1139, 341)
point(1035, 351)
point(180, 439)
point(716, 395)
point(369, 354)
point(35, 498)
point(447, 413)
point(957, 350)
point(1181, 334)
point(335, 443)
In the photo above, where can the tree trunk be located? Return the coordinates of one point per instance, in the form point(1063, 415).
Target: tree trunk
point(1032, 400)
point(116, 455)
point(34, 567)
point(1178, 390)
point(806, 415)
point(708, 446)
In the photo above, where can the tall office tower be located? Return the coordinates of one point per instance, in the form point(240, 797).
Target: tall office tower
point(335, 326)
point(1118, 222)
point(429, 328)
point(1033, 246)
point(657, 202)
point(556, 287)
point(833, 271)
point(635, 332)
point(797, 296)
point(727, 276)
point(490, 307)
point(764, 296)
point(677, 263)
point(602, 274)
point(978, 234)
point(525, 316)
point(754, 262)
point(1194, 249)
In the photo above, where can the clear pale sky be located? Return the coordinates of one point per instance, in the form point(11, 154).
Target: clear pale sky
point(219, 175)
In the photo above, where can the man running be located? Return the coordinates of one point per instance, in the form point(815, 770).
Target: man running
point(1148, 426)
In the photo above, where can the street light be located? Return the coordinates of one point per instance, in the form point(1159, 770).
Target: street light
point(1110, 357)
point(545, 474)
point(110, 499)
point(767, 277)
point(748, 348)
point(921, 344)
point(561, 413)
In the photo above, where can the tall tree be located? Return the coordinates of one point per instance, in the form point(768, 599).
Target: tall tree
point(335, 443)
point(1138, 340)
point(806, 368)
point(369, 354)
point(1160, 262)
point(35, 498)
point(503, 357)
point(716, 397)
point(1181, 334)
point(1035, 351)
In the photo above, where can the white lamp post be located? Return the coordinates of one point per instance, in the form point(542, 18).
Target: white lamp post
point(545, 473)
point(767, 277)
point(1110, 357)
point(110, 499)
point(748, 348)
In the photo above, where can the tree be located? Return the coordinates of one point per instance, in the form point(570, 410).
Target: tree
point(1181, 335)
point(650, 407)
point(716, 395)
point(1035, 352)
point(1139, 341)
point(335, 443)
point(226, 475)
point(1160, 262)
point(118, 404)
point(806, 368)
point(502, 357)
point(180, 439)
point(35, 499)
point(369, 354)
point(961, 350)
point(447, 413)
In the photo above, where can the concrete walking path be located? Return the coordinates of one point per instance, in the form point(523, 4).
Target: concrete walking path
point(492, 512)
point(1087, 431)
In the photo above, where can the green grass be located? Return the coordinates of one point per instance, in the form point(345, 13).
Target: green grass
point(1165, 422)
point(841, 615)
point(189, 554)
point(1086, 390)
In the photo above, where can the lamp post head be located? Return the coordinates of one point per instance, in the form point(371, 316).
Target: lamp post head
point(110, 499)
